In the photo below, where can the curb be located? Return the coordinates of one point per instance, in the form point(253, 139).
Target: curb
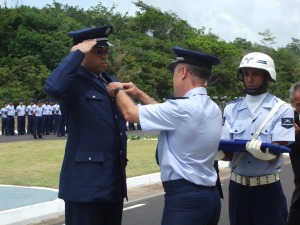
point(35, 213)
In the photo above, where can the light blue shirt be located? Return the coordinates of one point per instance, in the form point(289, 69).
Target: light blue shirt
point(21, 110)
point(2, 112)
point(190, 131)
point(10, 110)
point(29, 110)
point(239, 123)
point(38, 111)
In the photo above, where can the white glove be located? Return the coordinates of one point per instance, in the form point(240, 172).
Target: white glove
point(253, 147)
point(220, 155)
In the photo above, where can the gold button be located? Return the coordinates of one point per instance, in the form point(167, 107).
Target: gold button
point(90, 158)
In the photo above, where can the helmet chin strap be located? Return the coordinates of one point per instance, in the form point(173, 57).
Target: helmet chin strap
point(258, 91)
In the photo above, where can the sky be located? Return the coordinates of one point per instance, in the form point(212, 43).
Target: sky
point(228, 19)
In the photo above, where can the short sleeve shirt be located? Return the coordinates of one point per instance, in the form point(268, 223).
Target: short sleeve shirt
point(239, 123)
point(190, 131)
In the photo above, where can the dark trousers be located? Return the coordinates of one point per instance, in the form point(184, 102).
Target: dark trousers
point(294, 212)
point(60, 126)
point(37, 127)
point(4, 121)
point(258, 205)
point(45, 119)
point(21, 124)
point(10, 125)
point(50, 123)
point(93, 213)
point(29, 124)
point(190, 204)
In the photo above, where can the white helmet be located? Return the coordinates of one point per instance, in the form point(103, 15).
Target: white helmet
point(259, 61)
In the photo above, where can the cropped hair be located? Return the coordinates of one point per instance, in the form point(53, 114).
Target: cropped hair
point(295, 87)
point(198, 71)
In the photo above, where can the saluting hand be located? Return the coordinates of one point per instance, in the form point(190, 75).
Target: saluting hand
point(85, 46)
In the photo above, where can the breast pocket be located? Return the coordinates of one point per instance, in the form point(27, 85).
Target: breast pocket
point(93, 102)
point(266, 134)
point(238, 131)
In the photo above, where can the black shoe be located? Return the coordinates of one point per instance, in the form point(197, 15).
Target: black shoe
point(34, 137)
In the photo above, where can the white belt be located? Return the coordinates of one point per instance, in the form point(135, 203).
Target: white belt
point(254, 181)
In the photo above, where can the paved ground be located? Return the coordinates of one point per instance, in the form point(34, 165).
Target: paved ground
point(14, 197)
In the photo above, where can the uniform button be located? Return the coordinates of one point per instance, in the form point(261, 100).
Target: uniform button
point(116, 116)
point(121, 134)
point(121, 152)
point(90, 158)
point(93, 96)
point(235, 131)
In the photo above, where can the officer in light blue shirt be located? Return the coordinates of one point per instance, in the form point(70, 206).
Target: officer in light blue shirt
point(10, 124)
point(255, 193)
point(29, 111)
point(21, 111)
point(37, 120)
point(3, 114)
point(190, 130)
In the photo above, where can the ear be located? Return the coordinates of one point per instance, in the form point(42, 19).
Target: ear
point(184, 72)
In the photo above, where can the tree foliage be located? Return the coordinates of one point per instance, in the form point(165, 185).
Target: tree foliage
point(34, 41)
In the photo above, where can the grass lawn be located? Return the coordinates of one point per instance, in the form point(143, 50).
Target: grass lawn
point(38, 163)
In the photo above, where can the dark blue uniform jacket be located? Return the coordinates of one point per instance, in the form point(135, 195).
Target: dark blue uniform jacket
point(94, 164)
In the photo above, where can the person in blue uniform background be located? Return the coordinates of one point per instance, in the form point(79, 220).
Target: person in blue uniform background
point(255, 192)
point(10, 123)
point(37, 120)
point(92, 178)
point(190, 126)
point(3, 113)
point(21, 111)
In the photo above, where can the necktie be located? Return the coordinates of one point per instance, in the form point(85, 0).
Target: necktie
point(102, 79)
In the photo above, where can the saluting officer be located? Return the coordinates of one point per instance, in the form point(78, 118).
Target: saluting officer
point(92, 179)
point(190, 129)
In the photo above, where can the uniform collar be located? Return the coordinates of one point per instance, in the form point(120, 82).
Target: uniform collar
point(267, 102)
point(196, 91)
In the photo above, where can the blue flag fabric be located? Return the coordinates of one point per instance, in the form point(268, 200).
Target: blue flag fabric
point(240, 146)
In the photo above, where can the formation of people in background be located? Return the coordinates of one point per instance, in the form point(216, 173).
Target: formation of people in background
point(39, 118)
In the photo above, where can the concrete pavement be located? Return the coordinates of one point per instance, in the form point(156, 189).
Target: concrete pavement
point(28, 205)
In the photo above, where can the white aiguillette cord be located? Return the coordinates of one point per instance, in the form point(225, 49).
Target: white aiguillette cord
point(255, 136)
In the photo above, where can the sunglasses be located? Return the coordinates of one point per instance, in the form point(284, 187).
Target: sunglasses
point(100, 51)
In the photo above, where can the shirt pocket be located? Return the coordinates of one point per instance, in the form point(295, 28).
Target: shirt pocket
point(89, 157)
point(93, 95)
point(238, 131)
point(266, 134)
point(93, 103)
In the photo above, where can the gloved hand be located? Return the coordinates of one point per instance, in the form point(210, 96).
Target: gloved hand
point(220, 155)
point(253, 147)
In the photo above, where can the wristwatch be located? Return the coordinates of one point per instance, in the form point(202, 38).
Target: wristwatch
point(117, 90)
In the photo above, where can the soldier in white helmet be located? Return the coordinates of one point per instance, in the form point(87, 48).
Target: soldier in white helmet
point(255, 193)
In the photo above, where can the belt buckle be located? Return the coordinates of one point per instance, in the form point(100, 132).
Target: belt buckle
point(247, 181)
